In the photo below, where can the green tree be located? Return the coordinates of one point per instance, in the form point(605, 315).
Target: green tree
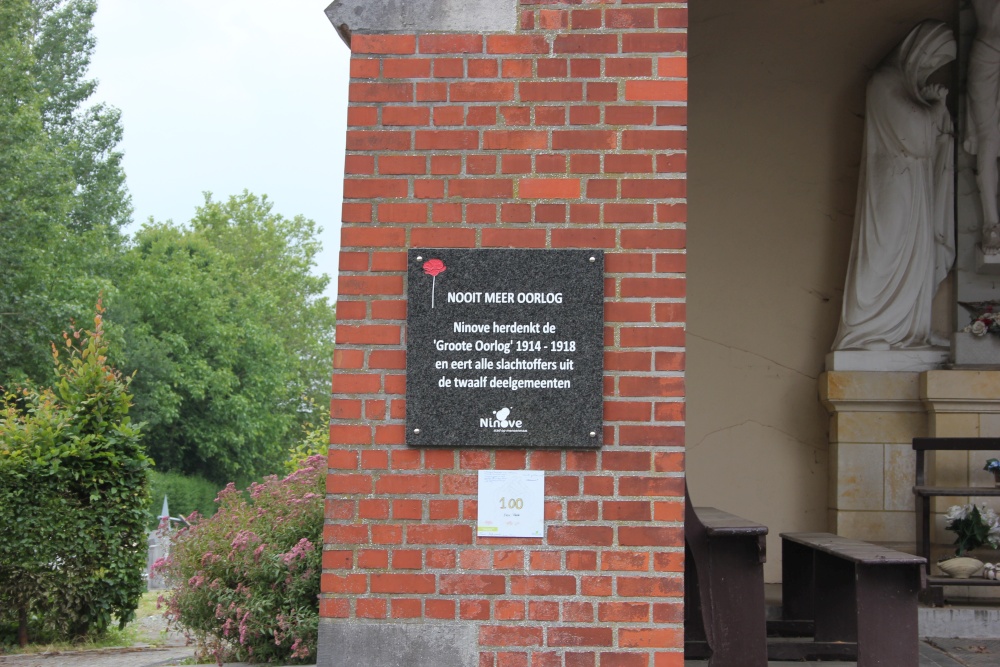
point(73, 498)
point(62, 188)
point(229, 337)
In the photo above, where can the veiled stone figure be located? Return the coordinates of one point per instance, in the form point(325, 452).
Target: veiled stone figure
point(904, 222)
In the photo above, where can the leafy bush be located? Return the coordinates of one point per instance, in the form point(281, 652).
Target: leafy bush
point(185, 494)
point(245, 582)
point(73, 498)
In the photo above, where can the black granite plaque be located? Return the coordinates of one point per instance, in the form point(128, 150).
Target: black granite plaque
point(505, 348)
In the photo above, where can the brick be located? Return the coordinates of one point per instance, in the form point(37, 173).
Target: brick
point(389, 310)
point(651, 486)
point(446, 140)
point(551, 68)
point(649, 637)
point(514, 213)
point(345, 534)
point(543, 585)
point(444, 510)
point(407, 509)
point(406, 459)
point(602, 91)
point(377, 140)
point(440, 609)
point(339, 509)
point(591, 43)
point(583, 238)
point(473, 584)
point(372, 558)
point(659, 436)
point(399, 116)
point(627, 312)
point(516, 44)
point(370, 285)
point(481, 165)
point(402, 213)
point(516, 69)
point(631, 18)
point(581, 535)
point(508, 560)
point(474, 610)
point(549, 188)
point(356, 213)
point(550, 163)
point(587, 19)
point(443, 237)
point(516, 115)
point(626, 461)
point(653, 140)
point(367, 335)
point(481, 188)
point(585, 115)
point(439, 534)
point(449, 68)
point(364, 68)
point(383, 44)
point(513, 635)
point(402, 583)
point(405, 608)
point(514, 140)
point(432, 92)
point(400, 484)
point(624, 659)
point(347, 583)
point(406, 68)
point(362, 116)
point(380, 92)
point(654, 42)
point(359, 164)
point(441, 44)
point(509, 610)
point(481, 92)
point(543, 91)
point(584, 139)
point(580, 637)
point(669, 461)
point(653, 239)
point(543, 611)
point(652, 337)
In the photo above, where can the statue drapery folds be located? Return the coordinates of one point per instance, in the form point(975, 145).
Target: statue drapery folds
point(903, 244)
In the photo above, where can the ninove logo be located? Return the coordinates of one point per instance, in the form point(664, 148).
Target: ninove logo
point(502, 423)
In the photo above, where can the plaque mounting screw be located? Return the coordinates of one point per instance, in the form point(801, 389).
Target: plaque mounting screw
point(593, 259)
point(417, 431)
point(419, 258)
point(593, 434)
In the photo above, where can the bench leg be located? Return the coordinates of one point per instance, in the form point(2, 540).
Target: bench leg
point(738, 615)
point(797, 582)
point(835, 589)
point(887, 616)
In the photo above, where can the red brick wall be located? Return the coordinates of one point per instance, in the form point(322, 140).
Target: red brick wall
point(569, 133)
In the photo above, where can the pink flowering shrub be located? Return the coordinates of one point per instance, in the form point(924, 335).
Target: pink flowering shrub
point(245, 582)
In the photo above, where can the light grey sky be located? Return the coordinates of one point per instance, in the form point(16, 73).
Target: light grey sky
point(222, 95)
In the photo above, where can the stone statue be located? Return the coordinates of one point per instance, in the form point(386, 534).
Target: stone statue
point(904, 243)
point(983, 131)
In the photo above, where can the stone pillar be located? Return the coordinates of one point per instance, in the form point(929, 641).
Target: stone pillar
point(874, 417)
point(510, 124)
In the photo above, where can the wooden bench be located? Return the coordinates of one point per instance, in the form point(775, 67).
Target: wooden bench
point(923, 492)
point(855, 593)
point(724, 611)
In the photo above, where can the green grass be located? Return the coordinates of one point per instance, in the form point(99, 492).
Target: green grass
point(112, 638)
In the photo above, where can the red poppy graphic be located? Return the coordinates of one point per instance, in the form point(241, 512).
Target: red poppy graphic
point(433, 267)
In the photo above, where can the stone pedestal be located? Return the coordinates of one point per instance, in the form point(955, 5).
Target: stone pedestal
point(874, 417)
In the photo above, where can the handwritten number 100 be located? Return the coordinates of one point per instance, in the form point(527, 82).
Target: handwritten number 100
point(511, 503)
